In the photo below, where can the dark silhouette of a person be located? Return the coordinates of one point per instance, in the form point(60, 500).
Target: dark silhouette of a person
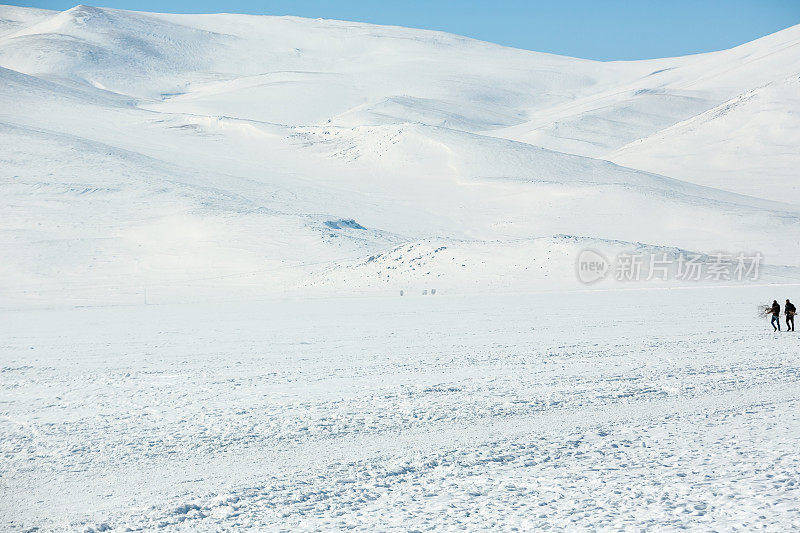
point(776, 315)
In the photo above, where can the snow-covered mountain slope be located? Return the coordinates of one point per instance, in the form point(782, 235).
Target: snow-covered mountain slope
point(124, 52)
point(672, 90)
point(267, 153)
point(15, 18)
point(748, 144)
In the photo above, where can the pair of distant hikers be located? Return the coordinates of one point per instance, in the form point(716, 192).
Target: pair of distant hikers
point(791, 310)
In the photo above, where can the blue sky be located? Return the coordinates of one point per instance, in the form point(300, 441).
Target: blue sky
point(595, 29)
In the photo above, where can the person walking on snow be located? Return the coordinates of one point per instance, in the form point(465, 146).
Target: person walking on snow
point(791, 310)
point(776, 315)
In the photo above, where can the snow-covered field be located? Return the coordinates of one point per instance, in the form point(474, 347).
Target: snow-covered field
point(641, 408)
point(206, 222)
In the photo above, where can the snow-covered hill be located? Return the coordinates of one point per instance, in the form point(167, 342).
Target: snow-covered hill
point(670, 90)
point(747, 144)
point(230, 153)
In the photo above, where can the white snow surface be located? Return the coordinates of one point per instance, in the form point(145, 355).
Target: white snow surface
point(607, 410)
point(206, 222)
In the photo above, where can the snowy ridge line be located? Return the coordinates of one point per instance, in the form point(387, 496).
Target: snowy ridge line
point(221, 119)
point(787, 46)
point(582, 174)
point(56, 87)
point(196, 182)
point(750, 133)
point(715, 112)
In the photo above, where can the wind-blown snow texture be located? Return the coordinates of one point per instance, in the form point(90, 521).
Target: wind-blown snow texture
point(315, 168)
